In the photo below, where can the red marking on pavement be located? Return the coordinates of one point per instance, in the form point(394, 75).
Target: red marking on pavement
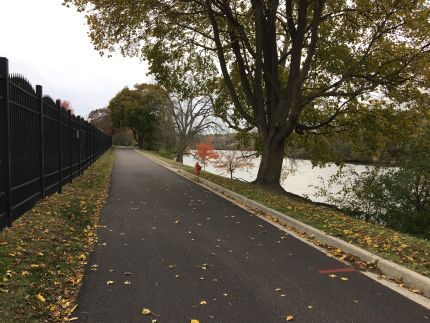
point(337, 270)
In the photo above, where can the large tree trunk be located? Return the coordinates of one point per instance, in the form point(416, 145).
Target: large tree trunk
point(269, 172)
point(180, 151)
point(180, 157)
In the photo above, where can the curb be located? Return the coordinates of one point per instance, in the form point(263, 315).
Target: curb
point(388, 268)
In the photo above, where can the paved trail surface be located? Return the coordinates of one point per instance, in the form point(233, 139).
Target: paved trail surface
point(185, 253)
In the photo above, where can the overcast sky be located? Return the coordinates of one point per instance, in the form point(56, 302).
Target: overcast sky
point(48, 43)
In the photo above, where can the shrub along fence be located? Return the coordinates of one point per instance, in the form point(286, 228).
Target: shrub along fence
point(42, 146)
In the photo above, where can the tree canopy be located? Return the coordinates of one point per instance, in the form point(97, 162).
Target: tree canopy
point(145, 110)
point(277, 66)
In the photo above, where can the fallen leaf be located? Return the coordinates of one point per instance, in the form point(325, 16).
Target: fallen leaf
point(278, 290)
point(290, 318)
point(332, 276)
point(127, 282)
point(343, 278)
point(40, 298)
point(109, 282)
point(146, 311)
point(203, 302)
point(195, 321)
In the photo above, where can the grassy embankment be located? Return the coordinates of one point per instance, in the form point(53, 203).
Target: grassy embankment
point(408, 251)
point(43, 254)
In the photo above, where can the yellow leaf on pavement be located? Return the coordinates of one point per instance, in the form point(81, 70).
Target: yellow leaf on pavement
point(290, 318)
point(146, 311)
point(203, 302)
point(195, 321)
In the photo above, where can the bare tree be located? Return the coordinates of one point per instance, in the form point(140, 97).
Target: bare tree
point(233, 160)
point(192, 117)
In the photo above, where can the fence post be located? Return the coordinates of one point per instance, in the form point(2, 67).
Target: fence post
point(90, 129)
point(39, 93)
point(87, 144)
point(93, 142)
point(70, 146)
point(79, 145)
point(84, 144)
point(60, 153)
point(5, 113)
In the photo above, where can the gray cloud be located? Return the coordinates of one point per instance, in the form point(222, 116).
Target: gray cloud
point(48, 43)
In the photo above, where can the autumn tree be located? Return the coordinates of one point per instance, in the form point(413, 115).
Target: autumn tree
point(205, 153)
point(67, 106)
point(286, 66)
point(144, 109)
point(233, 160)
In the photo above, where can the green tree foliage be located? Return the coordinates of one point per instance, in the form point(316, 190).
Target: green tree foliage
point(377, 134)
point(276, 66)
point(145, 110)
point(397, 197)
point(101, 119)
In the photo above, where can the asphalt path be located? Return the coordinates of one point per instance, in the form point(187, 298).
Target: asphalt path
point(171, 246)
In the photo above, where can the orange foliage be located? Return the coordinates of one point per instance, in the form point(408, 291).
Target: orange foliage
point(66, 105)
point(205, 152)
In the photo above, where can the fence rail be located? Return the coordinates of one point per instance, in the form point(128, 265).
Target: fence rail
point(42, 146)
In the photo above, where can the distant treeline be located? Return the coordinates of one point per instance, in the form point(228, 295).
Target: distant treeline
point(379, 139)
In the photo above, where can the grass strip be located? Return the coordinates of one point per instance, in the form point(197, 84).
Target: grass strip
point(43, 254)
point(403, 249)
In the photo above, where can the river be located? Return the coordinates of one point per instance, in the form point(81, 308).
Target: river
point(303, 181)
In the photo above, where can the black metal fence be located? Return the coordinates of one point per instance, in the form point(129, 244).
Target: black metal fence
point(42, 146)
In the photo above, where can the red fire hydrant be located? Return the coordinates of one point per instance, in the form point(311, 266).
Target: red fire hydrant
point(198, 168)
